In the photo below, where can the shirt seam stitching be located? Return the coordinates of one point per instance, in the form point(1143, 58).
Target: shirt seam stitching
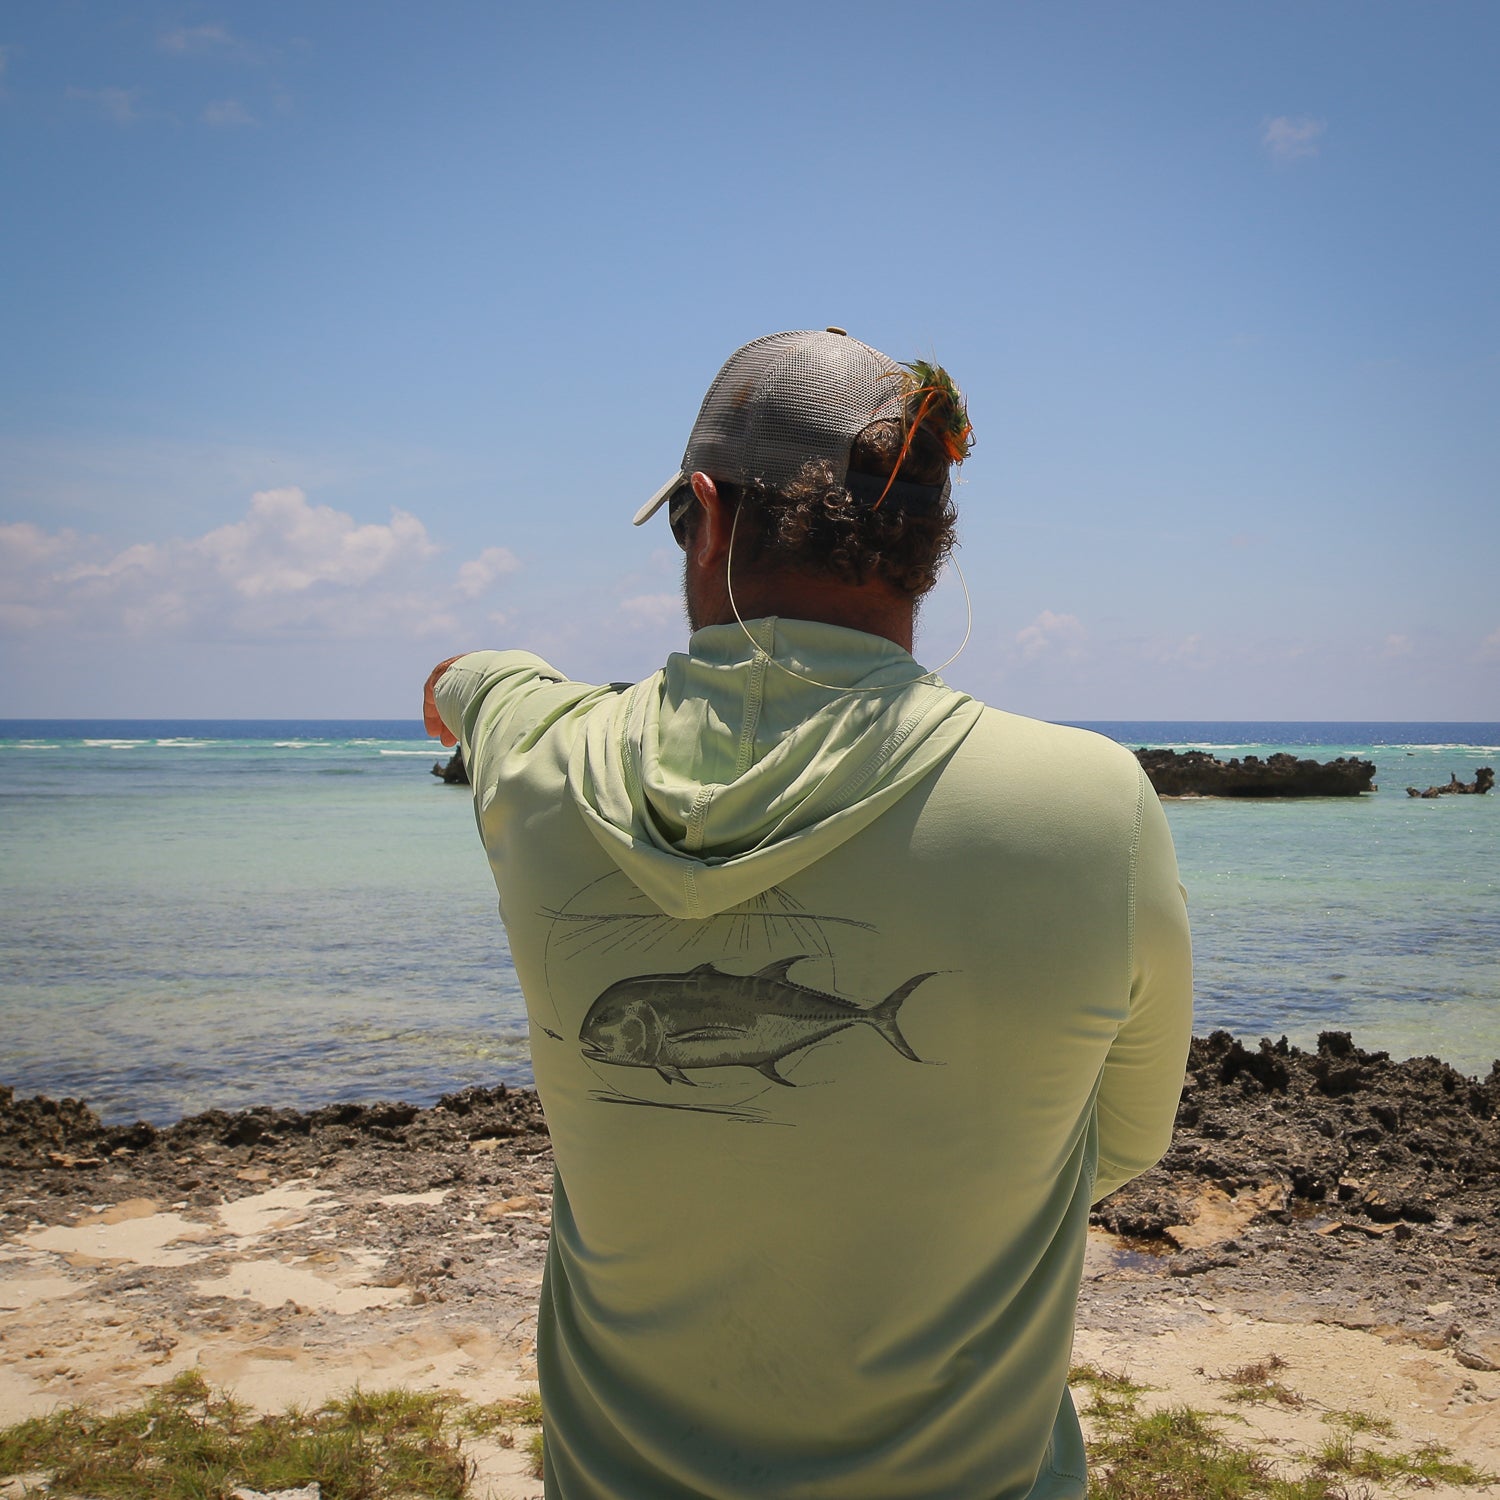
point(1135, 853)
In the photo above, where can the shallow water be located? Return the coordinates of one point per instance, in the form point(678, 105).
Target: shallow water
point(226, 914)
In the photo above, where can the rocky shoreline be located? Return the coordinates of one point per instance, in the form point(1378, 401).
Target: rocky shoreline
point(1336, 1186)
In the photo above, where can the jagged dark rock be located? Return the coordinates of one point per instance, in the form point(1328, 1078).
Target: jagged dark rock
point(1336, 1184)
point(452, 772)
point(1196, 773)
point(1484, 779)
point(39, 1134)
point(1377, 1141)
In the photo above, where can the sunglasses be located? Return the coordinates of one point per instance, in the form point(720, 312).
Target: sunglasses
point(679, 507)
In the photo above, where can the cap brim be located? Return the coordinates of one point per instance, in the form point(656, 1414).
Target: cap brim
point(659, 499)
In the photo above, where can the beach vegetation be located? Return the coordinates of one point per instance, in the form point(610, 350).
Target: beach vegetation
point(1271, 1392)
point(1430, 1463)
point(499, 1417)
point(1181, 1453)
point(1361, 1421)
point(1256, 1384)
point(1112, 1382)
point(498, 1420)
point(188, 1442)
point(1178, 1453)
point(1112, 1393)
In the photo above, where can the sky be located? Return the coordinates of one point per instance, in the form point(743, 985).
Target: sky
point(336, 339)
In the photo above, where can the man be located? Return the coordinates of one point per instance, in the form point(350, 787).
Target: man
point(847, 993)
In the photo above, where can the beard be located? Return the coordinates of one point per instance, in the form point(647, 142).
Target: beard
point(706, 599)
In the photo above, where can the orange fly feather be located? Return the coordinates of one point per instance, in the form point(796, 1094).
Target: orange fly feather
point(929, 391)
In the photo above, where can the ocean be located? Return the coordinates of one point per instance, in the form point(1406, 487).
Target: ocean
point(201, 915)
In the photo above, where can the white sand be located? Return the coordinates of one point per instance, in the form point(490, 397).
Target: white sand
point(267, 1301)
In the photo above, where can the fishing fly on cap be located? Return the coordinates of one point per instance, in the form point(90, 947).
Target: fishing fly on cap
point(930, 399)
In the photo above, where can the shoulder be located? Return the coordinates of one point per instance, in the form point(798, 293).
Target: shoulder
point(1046, 780)
point(1036, 746)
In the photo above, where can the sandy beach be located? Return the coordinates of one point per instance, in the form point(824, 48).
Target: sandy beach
point(1333, 1214)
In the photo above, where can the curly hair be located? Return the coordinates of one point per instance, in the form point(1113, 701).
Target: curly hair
point(818, 528)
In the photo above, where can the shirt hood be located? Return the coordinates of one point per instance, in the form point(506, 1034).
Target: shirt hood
point(729, 770)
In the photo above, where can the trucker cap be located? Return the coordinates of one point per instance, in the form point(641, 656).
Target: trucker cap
point(783, 400)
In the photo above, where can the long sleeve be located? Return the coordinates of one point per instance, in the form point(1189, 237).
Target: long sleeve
point(1143, 1075)
point(477, 687)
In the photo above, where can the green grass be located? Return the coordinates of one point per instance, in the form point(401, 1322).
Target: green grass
point(1361, 1421)
point(187, 1442)
point(534, 1447)
point(1107, 1382)
point(498, 1416)
point(1178, 1453)
point(1431, 1461)
point(1112, 1394)
point(1256, 1385)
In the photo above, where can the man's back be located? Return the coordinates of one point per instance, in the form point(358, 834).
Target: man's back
point(823, 986)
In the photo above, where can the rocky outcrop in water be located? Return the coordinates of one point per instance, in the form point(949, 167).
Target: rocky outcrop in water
point(1196, 773)
point(1484, 779)
point(452, 772)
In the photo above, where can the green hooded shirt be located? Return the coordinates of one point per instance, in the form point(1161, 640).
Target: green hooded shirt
point(847, 996)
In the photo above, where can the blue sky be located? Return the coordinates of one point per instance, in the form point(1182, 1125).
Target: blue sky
point(342, 337)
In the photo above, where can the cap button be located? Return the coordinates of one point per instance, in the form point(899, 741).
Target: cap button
point(832, 329)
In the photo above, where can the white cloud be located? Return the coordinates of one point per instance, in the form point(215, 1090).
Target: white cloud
point(286, 545)
point(1288, 137)
point(227, 112)
point(476, 575)
point(1052, 633)
point(25, 545)
point(26, 551)
point(287, 568)
point(652, 609)
point(123, 106)
point(1489, 647)
point(203, 41)
point(1397, 646)
point(1188, 649)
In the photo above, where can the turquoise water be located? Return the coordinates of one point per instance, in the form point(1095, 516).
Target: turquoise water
point(1378, 914)
point(226, 914)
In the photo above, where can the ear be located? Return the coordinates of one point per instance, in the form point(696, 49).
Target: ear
point(712, 541)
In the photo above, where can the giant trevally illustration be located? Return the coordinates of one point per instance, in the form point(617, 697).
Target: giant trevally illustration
point(705, 1018)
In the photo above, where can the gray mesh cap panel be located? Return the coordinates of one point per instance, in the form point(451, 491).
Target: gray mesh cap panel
point(788, 398)
point(783, 400)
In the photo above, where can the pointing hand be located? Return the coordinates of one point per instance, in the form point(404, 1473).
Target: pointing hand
point(431, 719)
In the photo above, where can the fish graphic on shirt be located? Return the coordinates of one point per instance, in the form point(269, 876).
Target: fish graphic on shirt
point(705, 1018)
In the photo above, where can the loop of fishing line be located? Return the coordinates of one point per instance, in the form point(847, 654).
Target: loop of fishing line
point(832, 687)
